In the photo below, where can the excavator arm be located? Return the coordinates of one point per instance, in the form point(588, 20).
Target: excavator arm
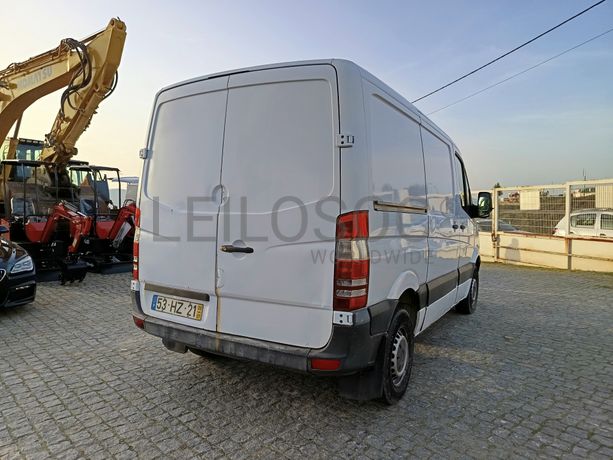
point(88, 71)
point(123, 225)
point(42, 232)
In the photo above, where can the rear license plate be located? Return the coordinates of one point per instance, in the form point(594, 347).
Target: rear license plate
point(177, 307)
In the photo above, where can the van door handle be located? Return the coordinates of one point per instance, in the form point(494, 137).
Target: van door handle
point(231, 248)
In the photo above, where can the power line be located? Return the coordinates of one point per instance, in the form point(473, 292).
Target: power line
point(508, 52)
point(523, 71)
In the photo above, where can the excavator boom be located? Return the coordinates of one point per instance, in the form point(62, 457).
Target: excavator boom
point(88, 71)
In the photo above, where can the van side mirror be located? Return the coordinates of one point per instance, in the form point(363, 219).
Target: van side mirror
point(484, 204)
point(4, 229)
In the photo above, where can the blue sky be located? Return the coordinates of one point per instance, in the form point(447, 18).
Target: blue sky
point(545, 126)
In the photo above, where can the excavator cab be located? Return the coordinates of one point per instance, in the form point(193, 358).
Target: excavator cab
point(48, 227)
point(93, 189)
point(112, 233)
point(26, 149)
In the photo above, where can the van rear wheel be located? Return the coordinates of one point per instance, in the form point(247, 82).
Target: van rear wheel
point(398, 358)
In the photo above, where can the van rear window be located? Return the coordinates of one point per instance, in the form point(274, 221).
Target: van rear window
point(186, 152)
point(279, 144)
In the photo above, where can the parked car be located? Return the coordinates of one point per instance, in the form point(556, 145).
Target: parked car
point(257, 241)
point(485, 225)
point(587, 222)
point(17, 274)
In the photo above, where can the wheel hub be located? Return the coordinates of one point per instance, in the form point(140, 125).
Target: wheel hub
point(474, 289)
point(400, 357)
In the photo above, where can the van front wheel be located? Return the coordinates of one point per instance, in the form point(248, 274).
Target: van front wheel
point(469, 304)
point(398, 357)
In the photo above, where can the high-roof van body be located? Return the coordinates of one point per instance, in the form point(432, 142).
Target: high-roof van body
point(304, 215)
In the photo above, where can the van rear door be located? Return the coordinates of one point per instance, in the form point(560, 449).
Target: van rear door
point(180, 198)
point(279, 161)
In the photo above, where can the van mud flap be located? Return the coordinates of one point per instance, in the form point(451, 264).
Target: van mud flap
point(73, 270)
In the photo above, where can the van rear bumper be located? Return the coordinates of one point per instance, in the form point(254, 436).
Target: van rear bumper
point(355, 346)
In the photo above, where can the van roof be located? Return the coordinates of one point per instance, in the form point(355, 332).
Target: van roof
point(337, 63)
point(250, 69)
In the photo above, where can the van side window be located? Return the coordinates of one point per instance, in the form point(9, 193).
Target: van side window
point(462, 187)
point(583, 220)
point(439, 178)
point(397, 158)
point(606, 222)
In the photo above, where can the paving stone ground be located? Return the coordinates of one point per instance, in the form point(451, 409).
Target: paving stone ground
point(529, 374)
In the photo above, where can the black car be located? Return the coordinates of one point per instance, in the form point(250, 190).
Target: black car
point(17, 274)
point(485, 225)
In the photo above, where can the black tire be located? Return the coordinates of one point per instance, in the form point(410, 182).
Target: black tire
point(469, 304)
point(398, 357)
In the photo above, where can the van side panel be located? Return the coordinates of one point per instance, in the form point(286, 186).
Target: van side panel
point(398, 240)
point(443, 248)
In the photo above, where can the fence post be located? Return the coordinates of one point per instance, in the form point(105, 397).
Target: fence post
point(567, 238)
point(495, 225)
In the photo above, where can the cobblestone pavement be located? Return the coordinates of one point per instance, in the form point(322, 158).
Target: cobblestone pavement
point(530, 374)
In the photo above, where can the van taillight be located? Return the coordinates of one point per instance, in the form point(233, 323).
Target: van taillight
point(135, 245)
point(321, 364)
point(138, 322)
point(352, 261)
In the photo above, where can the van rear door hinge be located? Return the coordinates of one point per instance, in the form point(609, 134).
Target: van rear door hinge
point(144, 153)
point(344, 140)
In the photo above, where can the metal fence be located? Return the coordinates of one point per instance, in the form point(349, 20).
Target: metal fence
point(578, 209)
point(565, 226)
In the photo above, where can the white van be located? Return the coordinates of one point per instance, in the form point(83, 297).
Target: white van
point(303, 215)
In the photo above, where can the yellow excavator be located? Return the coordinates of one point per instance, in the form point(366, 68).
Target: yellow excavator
point(87, 69)
point(37, 189)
